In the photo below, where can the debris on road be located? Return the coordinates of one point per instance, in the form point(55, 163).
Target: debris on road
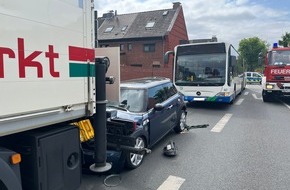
point(170, 149)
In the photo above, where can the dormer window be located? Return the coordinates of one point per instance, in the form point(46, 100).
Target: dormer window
point(150, 24)
point(109, 29)
point(165, 13)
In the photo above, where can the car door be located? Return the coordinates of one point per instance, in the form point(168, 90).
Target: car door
point(249, 77)
point(257, 77)
point(159, 120)
point(171, 103)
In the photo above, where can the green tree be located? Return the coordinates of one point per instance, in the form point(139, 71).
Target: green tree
point(285, 40)
point(249, 49)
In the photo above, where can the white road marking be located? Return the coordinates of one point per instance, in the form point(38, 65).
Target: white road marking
point(286, 105)
point(246, 93)
point(255, 96)
point(221, 124)
point(257, 89)
point(171, 183)
point(239, 101)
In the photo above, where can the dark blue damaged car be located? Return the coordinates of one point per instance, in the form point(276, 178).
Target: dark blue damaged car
point(151, 107)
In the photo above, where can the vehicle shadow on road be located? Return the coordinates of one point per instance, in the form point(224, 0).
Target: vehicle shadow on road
point(209, 105)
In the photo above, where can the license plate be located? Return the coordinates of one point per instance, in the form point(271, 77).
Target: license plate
point(198, 99)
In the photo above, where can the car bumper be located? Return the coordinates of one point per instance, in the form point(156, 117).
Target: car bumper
point(221, 99)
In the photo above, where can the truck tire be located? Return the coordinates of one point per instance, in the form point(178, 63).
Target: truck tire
point(8, 177)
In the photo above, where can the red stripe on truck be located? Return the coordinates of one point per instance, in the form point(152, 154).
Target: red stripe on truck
point(81, 54)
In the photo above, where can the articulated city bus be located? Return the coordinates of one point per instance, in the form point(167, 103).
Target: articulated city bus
point(207, 71)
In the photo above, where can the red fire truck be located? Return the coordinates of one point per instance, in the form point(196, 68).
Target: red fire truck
point(276, 80)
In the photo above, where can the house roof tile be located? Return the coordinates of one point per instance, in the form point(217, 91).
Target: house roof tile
point(136, 24)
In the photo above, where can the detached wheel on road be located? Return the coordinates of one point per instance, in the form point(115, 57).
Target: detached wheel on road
point(181, 123)
point(135, 160)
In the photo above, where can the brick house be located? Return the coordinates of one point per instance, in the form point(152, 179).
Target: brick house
point(143, 39)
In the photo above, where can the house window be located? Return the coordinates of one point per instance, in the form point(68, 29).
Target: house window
point(104, 45)
point(121, 47)
point(136, 65)
point(165, 13)
point(109, 29)
point(156, 64)
point(149, 47)
point(150, 24)
point(130, 47)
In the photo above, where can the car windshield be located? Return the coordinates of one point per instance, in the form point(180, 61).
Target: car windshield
point(133, 99)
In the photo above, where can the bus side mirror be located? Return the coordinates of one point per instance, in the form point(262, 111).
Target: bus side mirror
point(166, 56)
point(233, 61)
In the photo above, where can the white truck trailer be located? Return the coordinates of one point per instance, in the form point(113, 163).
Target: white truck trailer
point(47, 82)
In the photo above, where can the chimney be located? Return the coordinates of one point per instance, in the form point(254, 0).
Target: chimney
point(109, 15)
point(176, 5)
point(214, 39)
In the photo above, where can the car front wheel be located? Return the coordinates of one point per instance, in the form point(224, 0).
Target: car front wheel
point(135, 160)
point(181, 123)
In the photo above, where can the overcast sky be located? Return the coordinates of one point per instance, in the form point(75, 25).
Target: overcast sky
point(228, 20)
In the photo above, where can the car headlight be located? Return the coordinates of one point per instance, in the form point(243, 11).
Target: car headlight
point(145, 122)
point(269, 86)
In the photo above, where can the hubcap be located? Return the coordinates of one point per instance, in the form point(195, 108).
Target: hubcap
point(137, 158)
point(182, 120)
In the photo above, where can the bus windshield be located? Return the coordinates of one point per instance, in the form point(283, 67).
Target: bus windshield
point(200, 69)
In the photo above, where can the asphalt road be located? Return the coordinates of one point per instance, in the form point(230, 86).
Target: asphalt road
point(245, 146)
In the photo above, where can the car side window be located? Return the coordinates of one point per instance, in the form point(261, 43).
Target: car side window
point(169, 90)
point(256, 75)
point(155, 95)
